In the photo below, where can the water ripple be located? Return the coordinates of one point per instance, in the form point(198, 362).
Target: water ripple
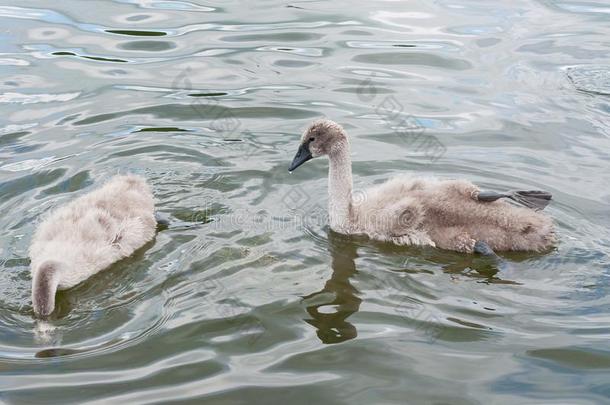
point(247, 293)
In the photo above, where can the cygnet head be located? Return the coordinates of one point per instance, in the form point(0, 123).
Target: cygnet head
point(322, 137)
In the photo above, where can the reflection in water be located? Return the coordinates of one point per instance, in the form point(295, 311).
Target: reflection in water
point(47, 353)
point(46, 333)
point(332, 327)
point(330, 317)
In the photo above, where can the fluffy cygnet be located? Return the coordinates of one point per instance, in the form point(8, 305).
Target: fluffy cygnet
point(87, 235)
point(449, 214)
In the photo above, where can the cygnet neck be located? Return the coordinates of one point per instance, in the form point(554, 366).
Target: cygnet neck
point(340, 186)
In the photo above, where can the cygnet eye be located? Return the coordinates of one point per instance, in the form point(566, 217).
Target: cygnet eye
point(312, 139)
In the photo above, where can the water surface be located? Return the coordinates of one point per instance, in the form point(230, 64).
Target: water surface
point(247, 296)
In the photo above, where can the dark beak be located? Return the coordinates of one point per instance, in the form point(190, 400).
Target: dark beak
point(302, 156)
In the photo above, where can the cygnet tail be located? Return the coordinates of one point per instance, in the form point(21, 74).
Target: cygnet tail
point(534, 199)
point(44, 287)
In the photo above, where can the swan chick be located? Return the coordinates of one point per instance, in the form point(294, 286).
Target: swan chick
point(87, 235)
point(448, 214)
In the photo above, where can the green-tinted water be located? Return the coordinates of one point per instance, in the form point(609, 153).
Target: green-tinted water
point(248, 297)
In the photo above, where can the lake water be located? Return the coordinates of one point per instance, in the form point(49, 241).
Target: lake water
point(248, 297)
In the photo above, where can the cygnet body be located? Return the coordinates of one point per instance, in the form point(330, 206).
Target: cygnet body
point(448, 214)
point(87, 235)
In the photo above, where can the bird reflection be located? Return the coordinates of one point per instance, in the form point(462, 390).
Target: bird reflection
point(330, 307)
point(330, 318)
